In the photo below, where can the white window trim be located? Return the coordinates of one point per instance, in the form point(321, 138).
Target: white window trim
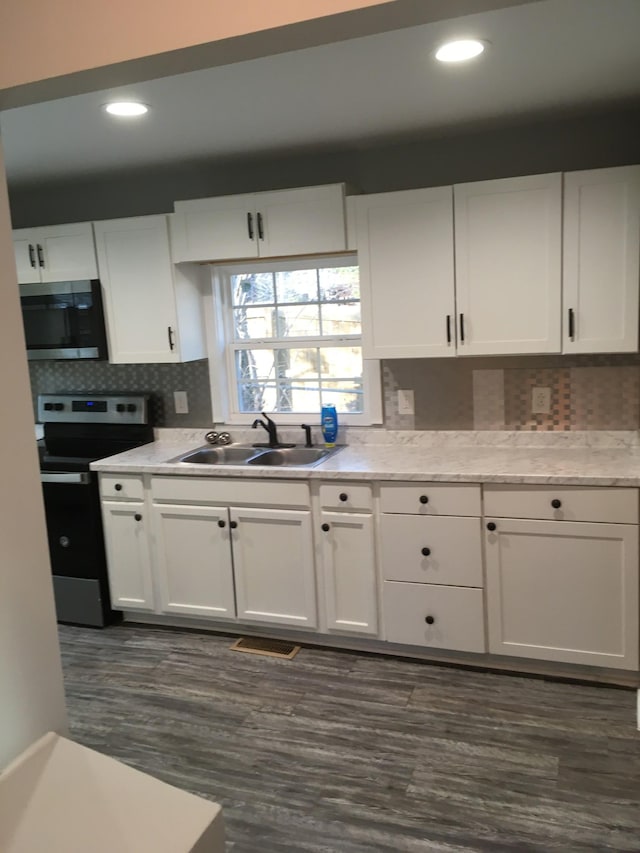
point(222, 380)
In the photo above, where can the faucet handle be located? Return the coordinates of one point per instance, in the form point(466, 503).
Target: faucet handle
point(224, 438)
point(307, 434)
point(212, 437)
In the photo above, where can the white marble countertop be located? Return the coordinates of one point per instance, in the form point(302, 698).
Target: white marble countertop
point(606, 459)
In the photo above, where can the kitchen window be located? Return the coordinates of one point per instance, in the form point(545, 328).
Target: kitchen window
point(290, 335)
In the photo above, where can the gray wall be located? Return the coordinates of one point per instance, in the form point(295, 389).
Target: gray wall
point(561, 144)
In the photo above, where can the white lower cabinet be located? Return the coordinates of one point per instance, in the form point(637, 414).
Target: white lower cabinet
point(440, 617)
point(432, 565)
point(273, 564)
point(126, 538)
point(193, 560)
point(563, 591)
point(561, 579)
point(214, 557)
point(349, 572)
point(347, 558)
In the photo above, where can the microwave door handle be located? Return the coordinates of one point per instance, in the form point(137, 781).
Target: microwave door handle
point(70, 327)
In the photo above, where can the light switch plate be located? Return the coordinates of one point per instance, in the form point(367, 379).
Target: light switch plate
point(181, 402)
point(541, 400)
point(406, 402)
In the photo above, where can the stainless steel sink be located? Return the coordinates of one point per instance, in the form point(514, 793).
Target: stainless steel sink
point(218, 455)
point(290, 457)
point(293, 456)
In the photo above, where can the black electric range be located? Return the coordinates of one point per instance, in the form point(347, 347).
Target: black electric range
point(79, 429)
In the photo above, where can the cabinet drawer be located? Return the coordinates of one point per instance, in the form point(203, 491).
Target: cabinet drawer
point(441, 498)
point(457, 613)
point(346, 496)
point(445, 550)
point(126, 487)
point(617, 506)
point(203, 490)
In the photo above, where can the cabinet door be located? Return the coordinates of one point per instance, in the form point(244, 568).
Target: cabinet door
point(128, 559)
point(24, 249)
point(348, 562)
point(212, 229)
point(564, 591)
point(193, 558)
point(405, 252)
point(137, 275)
point(273, 562)
point(601, 253)
point(303, 221)
point(508, 265)
point(68, 252)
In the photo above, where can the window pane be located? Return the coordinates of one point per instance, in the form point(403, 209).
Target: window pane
point(297, 396)
point(341, 363)
point(345, 396)
point(298, 321)
point(300, 363)
point(341, 318)
point(253, 289)
point(338, 283)
point(297, 286)
point(255, 365)
point(255, 396)
point(253, 323)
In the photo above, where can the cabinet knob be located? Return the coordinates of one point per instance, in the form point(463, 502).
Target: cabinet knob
point(222, 523)
point(138, 517)
point(343, 496)
point(491, 525)
point(556, 504)
point(233, 524)
point(118, 487)
point(429, 620)
point(326, 528)
point(424, 499)
point(426, 552)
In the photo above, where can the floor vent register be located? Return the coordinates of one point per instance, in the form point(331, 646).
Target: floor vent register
point(260, 646)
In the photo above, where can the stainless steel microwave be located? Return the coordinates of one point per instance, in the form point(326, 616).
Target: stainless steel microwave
point(64, 319)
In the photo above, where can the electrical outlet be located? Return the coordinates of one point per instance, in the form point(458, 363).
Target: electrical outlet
point(181, 402)
point(405, 403)
point(541, 400)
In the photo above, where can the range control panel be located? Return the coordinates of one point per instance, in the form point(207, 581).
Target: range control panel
point(96, 408)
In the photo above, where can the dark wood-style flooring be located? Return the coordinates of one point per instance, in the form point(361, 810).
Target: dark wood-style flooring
point(338, 752)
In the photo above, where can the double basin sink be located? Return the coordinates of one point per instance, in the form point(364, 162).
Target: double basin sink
point(290, 457)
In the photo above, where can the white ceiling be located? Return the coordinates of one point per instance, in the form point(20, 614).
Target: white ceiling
point(545, 57)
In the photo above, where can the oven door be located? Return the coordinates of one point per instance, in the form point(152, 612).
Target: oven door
point(63, 320)
point(76, 547)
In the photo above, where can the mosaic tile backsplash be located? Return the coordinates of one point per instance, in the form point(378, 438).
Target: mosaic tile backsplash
point(587, 392)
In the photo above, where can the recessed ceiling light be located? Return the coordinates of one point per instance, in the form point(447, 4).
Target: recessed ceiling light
point(458, 51)
point(126, 108)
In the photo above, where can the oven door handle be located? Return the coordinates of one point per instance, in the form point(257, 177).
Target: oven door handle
point(71, 478)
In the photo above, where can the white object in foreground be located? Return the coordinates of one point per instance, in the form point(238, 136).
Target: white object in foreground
point(61, 797)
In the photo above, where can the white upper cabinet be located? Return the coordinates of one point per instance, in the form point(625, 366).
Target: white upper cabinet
point(508, 265)
point(305, 221)
point(601, 252)
point(55, 253)
point(405, 252)
point(153, 309)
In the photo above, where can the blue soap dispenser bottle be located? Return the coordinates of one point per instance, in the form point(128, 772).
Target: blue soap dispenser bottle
point(329, 423)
